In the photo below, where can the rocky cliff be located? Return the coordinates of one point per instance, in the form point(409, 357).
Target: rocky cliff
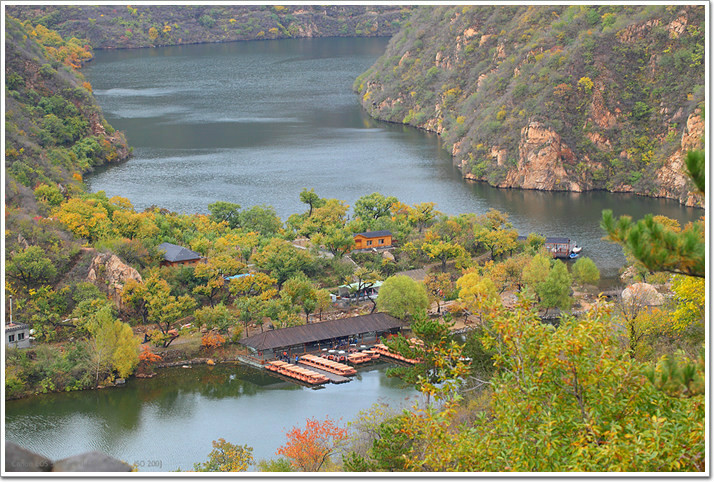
point(566, 98)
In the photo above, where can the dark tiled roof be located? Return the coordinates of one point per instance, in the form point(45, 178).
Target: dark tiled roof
point(374, 234)
point(326, 330)
point(549, 240)
point(10, 327)
point(557, 240)
point(176, 253)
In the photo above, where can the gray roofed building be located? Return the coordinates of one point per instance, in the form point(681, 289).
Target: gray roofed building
point(174, 254)
point(17, 335)
point(326, 330)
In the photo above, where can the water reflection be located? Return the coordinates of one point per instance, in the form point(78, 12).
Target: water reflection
point(186, 409)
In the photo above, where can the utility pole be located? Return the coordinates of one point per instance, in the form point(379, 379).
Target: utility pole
point(11, 309)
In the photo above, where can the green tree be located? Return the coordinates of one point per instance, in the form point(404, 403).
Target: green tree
point(282, 260)
point(585, 271)
point(303, 292)
point(250, 310)
point(225, 211)
point(226, 457)
point(311, 199)
point(216, 317)
point(337, 241)
point(373, 206)
point(554, 290)
point(402, 297)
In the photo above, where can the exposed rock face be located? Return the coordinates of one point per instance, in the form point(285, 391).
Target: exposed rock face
point(107, 271)
point(672, 178)
point(542, 157)
point(641, 294)
point(611, 123)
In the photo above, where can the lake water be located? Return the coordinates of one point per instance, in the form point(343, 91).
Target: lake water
point(169, 421)
point(256, 122)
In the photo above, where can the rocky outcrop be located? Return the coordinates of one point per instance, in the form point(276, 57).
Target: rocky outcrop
point(542, 160)
point(109, 273)
point(594, 106)
point(672, 178)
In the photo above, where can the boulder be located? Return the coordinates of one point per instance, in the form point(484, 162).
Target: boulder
point(641, 294)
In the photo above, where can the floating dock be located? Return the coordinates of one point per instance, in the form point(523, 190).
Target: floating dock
point(297, 372)
point(383, 350)
point(327, 365)
point(331, 377)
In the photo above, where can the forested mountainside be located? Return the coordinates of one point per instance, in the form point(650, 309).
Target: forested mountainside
point(129, 26)
point(567, 98)
point(54, 129)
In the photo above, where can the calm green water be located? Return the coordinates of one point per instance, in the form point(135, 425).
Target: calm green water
point(256, 122)
point(168, 422)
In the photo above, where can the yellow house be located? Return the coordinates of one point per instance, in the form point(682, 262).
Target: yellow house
point(373, 239)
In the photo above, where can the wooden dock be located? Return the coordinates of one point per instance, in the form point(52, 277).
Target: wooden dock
point(332, 377)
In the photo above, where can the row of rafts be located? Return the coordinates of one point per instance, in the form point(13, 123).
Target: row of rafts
point(324, 363)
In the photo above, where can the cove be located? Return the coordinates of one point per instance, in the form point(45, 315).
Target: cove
point(256, 122)
point(169, 421)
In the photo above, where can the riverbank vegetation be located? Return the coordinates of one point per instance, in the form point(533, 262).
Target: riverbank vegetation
point(602, 386)
point(132, 26)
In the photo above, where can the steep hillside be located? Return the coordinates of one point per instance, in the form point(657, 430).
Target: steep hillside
point(128, 26)
point(54, 129)
point(554, 97)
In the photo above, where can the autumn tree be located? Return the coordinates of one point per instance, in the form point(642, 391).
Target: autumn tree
point(30, 267)
point(438, 286)
point(214, 272)
point(690, 301)
point(113, 346)
point(443, 250)
point(310, 448)
point(153, 300)
point(495, 233)
point(402, 297)
point(226, 457)
point(86, 218)
point(440, 368)
point(478, 293)
point(253, 284)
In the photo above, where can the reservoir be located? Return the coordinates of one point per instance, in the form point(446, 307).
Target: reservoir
point(256, 122)
point(169, 421)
